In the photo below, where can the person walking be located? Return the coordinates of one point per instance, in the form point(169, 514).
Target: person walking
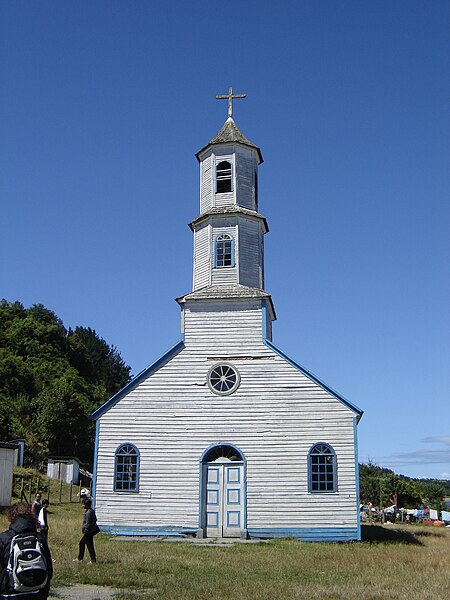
point(43, 519)
point(36, 505)
point(89, 528)
point(32, 582)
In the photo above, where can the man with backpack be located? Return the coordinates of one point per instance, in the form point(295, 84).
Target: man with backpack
point(26, 567)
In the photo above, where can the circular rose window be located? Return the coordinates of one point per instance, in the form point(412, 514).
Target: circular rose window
point(223, 379)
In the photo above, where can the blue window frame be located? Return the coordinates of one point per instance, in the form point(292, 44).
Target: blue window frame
point(224, 179)
point(126, 469)
point(224, 251)
point(322, 468)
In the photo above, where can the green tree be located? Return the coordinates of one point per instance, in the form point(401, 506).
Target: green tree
point(432, 494)
point(50, 381)
point(97, 362)
point(61, 417)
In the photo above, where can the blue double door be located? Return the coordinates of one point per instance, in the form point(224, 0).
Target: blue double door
point(224, 499)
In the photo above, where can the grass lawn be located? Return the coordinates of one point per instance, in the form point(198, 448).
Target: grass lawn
point(399, 563)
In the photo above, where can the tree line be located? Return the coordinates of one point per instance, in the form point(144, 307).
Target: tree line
point(51, 379)
point(383, 488)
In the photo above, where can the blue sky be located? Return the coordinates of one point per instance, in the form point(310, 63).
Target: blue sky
point(102, 107)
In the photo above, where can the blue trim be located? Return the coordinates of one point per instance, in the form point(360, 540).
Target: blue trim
point(209, 522)
point(202, 498)
point(264, 320)
point(208, 502)
point(94, 470)
point(234, 512)
point(135, 490)
point(212, 519)
point(202, 488)
point(140, 377)
point(335, 486)
point(358, 512)
point(229, 468)
point(212, 470)
point(308, 374)
point(231, 502)
point(209, 448)
point(169, 531)
point(233, 262)
point(308, 534)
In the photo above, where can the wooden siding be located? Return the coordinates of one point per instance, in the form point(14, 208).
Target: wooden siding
point(274, 417)
point(245, 173)
point(6, 475)
point(202, 256)
point(250, 253)
point(206, 184)
point(219, 328)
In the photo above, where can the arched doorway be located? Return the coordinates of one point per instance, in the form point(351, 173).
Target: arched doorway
point(223, 491)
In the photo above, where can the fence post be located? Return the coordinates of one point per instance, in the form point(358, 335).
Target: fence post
point(60, 490)
point(22, 491)
point(48, 486)
point(70, 491)
point(29, 490)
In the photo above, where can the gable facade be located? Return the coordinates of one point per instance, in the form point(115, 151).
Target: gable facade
point(225, 436)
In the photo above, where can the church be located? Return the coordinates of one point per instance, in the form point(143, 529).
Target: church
point(225, 436)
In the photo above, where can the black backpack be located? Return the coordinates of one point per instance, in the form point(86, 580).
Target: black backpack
point(27, 569)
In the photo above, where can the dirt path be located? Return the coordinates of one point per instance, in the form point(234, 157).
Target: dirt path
point(83, 592)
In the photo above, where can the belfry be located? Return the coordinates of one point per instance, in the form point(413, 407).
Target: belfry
point(225, 435)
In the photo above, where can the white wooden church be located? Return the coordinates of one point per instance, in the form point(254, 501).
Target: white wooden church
point(225, 435)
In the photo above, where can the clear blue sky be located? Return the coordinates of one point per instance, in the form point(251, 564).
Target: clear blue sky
point(103, 105)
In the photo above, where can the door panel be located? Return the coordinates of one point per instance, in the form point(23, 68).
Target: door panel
point(233, 500)
point(214, 484)
point(224, 500)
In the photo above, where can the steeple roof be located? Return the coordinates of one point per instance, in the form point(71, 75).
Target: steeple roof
point(230, 133)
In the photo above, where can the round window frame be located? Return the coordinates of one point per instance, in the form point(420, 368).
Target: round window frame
point(226, 392)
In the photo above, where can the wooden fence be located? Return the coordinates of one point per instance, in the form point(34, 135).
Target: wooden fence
point(25, 488)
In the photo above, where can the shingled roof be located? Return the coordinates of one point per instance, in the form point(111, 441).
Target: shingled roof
point(230, 133)
point(229, 291)
point(229, 210)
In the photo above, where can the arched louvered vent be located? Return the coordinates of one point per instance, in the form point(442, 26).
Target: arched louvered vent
point(223, 453)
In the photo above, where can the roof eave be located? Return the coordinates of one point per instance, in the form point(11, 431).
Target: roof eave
point(258, 151)
point(205, 216)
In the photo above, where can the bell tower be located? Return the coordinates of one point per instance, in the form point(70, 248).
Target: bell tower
point(229, 232)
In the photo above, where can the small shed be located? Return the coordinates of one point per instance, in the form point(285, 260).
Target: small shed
point(63, 468)
point(7, 460)
point(19, 453)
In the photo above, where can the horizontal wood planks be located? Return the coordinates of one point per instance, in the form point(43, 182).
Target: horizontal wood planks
point(274, 417)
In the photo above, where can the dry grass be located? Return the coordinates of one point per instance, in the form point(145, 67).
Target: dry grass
point(409, 563)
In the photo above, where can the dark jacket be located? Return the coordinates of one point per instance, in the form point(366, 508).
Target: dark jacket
point(89, 526)
point(22, 525)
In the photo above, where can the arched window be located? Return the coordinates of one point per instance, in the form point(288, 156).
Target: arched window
point(126, 470)
point(224, 251)
point(223, 453)
point(223, 177)
point(322, 468)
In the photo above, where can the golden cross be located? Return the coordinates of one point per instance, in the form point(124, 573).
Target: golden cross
point(230, 97)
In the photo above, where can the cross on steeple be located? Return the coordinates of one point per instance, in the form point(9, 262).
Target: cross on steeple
point(230, 97)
